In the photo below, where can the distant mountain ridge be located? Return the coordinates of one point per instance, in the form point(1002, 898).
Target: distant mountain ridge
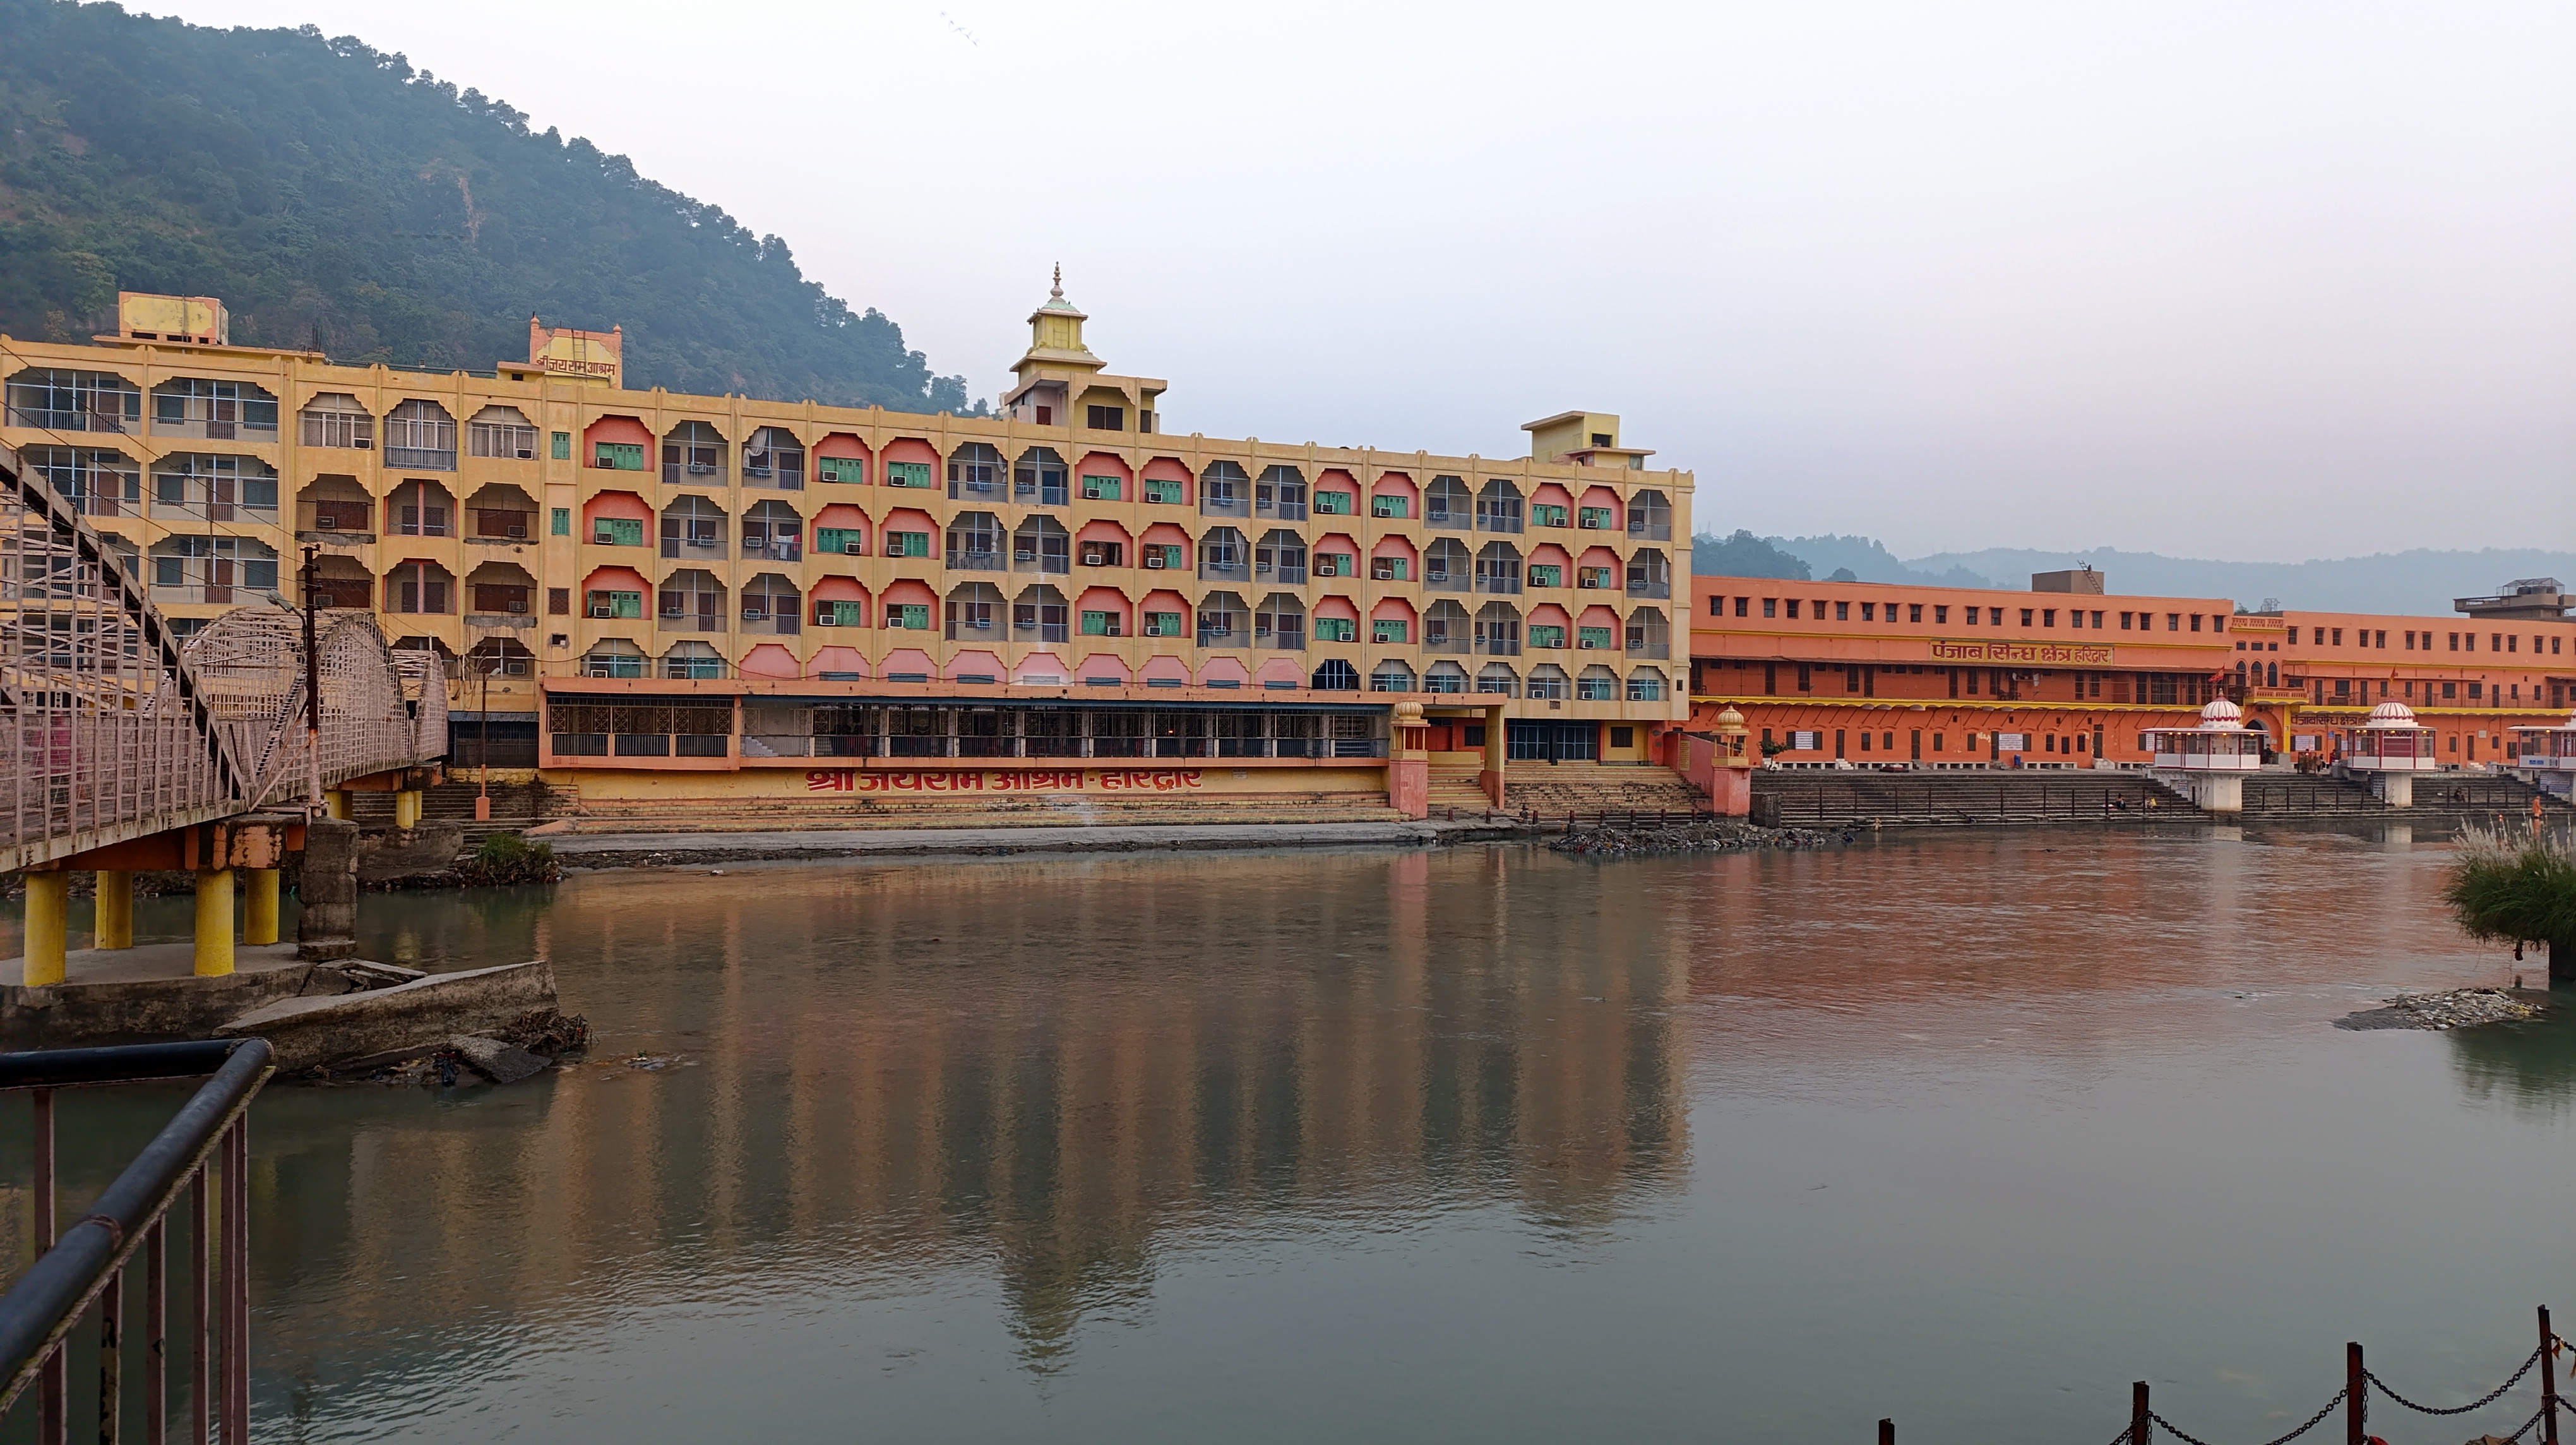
point(340, 201)
point(2421, 581)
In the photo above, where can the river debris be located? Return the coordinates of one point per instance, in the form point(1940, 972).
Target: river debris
point(1706, 835)
point(2457, 1008)
point(523, 1048)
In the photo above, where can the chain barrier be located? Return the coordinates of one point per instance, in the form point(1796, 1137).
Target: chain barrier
point(2527, 1424)
point(2489, 1398)
point(2313, 1421)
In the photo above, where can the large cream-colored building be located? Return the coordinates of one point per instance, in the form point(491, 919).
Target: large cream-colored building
point(641, 581)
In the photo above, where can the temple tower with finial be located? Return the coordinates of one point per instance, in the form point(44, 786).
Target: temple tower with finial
point(1059, 382)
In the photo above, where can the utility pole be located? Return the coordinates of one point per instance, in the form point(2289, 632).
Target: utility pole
point(312, 689)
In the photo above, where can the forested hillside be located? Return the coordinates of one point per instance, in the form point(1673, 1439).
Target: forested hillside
point(337, 199)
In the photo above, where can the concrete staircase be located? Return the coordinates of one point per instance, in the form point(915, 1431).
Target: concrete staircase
point(1035, 810)
point(1589, 787)
point(516, 807)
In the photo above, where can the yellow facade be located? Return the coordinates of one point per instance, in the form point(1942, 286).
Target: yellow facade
point(474, 511)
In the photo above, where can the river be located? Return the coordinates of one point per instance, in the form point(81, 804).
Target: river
point(1468, 1145)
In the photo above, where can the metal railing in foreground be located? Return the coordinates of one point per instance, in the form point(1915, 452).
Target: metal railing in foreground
point(81, 1273)
point(2354, 1401)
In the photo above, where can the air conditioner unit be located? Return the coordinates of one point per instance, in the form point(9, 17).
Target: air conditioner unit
point(326, 524)
point(1586, 646)
point(527, 454)
point(1023, 554)
point(519, 607)
point(980, 624)
point(700, 469)
point(364, 444)
point(854, 549)
point(519, 533)
point(1154, 562)
point(603, 609)
point(826, 617)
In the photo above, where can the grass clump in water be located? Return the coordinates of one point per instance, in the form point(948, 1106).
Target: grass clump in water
point(2516, 890)
point(509, 858)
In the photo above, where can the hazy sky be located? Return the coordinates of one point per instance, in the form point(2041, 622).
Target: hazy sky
point(2246, 281)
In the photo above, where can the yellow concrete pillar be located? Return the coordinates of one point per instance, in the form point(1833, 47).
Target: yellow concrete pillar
point(214, 922)
point(407, 808)
point(259, 910)
point(114, 926)
point(1497, 755)
point(336, 803)
point(49, 908)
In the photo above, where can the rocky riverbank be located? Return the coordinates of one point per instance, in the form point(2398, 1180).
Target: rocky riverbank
point(2457, 1008)
point(1707, 835)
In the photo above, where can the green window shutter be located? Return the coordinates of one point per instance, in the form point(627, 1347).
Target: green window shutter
point(1389, 631)
point(848, 541)
point(559, 522)
point(841, 614)
point(619, 456)
point(1593, 637)
point(853, 470)
point(911, 616)
point(1095, 624)
point(907, 544)
point(1101, 489)
point(563, 446)
point(1547, 514)
point(1163, 489)
point(1596, 519)
point(907, 474)
point(1546, 635)
point(617, 531)
point(626, 604)
point(1390, 507)
point(1162, 624)
point(1333, 504)
point(1546, 574)
point(1335, 629)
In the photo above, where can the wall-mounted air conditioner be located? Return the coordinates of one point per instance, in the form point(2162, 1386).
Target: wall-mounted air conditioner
point(1154, 562)
point(826, 617)
point(527, 454)
point(603, 610)
point(519, 607)
point(326, 524)
point(364, 444)
point(519, 533)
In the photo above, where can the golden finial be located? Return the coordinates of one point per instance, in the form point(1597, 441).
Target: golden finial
point(1058, 292)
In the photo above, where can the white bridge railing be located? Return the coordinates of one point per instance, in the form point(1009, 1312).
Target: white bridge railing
point(111, 728)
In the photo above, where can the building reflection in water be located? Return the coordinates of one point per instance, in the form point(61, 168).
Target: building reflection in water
point(1046, 1072)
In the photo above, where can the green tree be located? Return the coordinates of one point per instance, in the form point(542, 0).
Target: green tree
point(338, 200)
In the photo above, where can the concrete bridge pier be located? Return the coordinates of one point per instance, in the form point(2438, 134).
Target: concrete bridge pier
point(2397, 790)
point(214, 932)
point(113, 926)
point(2219, 792)
point(49, 908)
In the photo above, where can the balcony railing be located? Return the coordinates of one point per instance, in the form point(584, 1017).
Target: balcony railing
point(215, 431)
point(783, 478)
point(692, 474)
point(777, 549)
point(787, 623)
point(51, 420)
point(1641, 585)
point(1645, 530)
point(1507, 585)
point(1441, 579)
point(420, 459)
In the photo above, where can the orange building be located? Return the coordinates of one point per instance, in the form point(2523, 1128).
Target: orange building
point(2069, 676)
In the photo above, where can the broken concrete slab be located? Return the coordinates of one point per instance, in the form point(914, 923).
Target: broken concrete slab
point(502, 1063)
point(423, 1014)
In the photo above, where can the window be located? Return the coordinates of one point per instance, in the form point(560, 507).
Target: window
point(1940, 614)
point(908, 616)
point(2124, 620)
point(617, 531)
point(1391, 676)
point(559, 601)
point(1606, 577)
point(1771, 607)
point(563, 446)
point(1162, 624)
point(1162, 556)
point(1384, 506)
point(1335, 504)
point(1547, 514)
point(907, 544)
point(1387, 569)
point(1102, 489)
point(335, 419)
point(618, 456)
point(836, 612)
point(847, 541)
point(559, 522)
point(1915, 613)
point(1107, 418)
point(1543, 634)
point(1338, 629)
point(421, 434)
point(1552, 574)
point(202, 406)
point(1842, 612)
point(1386, 630)
point(1100, 624)
point(1591, 639)
point(848, 471)
point(1595, 519)
point(76, 401)
point(106, 483)
point(909, 474)
point(501, 431)
point(212, 487)
point(612, 603)
point(1343, 564)
point(1645, 685)
point(1869, 612)
point(1169, 491)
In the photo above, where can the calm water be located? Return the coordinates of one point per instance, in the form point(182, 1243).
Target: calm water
point(1476, 1145)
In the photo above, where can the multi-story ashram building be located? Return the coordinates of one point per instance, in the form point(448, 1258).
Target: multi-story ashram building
point(2065, 675)
point(651, 594)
